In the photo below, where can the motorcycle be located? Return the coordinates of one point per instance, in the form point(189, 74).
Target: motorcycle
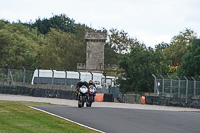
point(91, 96)
point(82, 96)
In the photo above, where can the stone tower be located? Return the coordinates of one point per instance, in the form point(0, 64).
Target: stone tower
point(95, 50)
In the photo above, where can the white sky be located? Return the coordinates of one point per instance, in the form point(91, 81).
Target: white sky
point(150, 21)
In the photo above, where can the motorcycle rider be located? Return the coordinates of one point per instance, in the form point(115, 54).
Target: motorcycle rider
point(79, 84)
point(91, 83)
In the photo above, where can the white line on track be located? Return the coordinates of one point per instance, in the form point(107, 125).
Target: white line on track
point(66, 119)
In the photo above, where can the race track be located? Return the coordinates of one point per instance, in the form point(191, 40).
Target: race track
point(117, 120)
point(121, 117)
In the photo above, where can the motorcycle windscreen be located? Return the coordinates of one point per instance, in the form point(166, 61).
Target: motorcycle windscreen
point(83, 89)
point(92, 88)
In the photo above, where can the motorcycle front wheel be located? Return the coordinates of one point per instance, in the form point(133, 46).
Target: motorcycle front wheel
point(79, 105)
point(89, 102)
point(80, 101)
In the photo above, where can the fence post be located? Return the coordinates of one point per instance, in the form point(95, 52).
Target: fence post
point(8, 74)
point(155, 84)
point(38, 77)
point(186, 86)
point(179, 86)
point(170, 86)
point(65, 79)
point(79, 75)
point(105, 77)
point(194, 87)
point(163, 85)
point(91, 74)
point(52, 79)
point(24, 78)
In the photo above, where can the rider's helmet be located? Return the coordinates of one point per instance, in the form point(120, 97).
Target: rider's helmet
point(91, 82)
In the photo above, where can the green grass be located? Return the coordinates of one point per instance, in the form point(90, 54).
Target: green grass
point(192, 111)
point(16, 117)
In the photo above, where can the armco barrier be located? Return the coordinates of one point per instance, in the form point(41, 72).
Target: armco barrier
point(167, 101)
point(108, 98)
point(37, 92)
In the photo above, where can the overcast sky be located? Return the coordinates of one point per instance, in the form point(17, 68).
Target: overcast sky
point(150, 21)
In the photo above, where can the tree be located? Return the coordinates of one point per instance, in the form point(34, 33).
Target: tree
point(118, 44)
point(60, 22)
point(18, 45)
point(120, 41)
point(178, 46)
point(191, 60)
point(111, 57)
point(138, 66)
point(161, 46)
point(62, 51)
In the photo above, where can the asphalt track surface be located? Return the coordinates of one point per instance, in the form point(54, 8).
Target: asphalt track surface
point(121, 117)
point(121, 120)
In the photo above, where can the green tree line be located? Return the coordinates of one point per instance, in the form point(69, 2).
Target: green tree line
point(58, 43)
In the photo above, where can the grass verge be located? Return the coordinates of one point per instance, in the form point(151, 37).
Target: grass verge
point(16, 117)
point(192, 111)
